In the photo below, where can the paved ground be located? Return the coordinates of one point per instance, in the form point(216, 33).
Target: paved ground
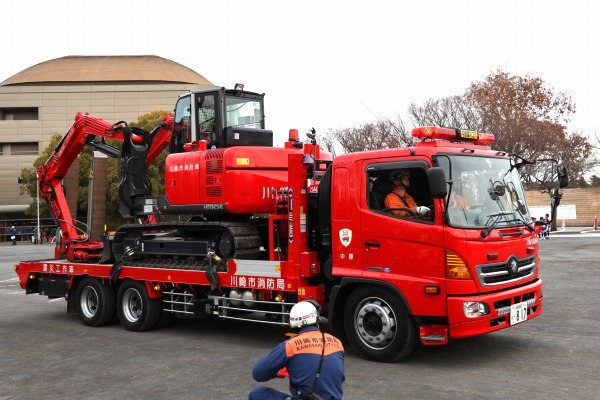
point(45, 353)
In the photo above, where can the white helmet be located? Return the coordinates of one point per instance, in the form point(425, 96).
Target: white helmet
point(304, 313)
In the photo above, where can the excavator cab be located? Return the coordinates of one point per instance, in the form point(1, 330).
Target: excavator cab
point(221, 118)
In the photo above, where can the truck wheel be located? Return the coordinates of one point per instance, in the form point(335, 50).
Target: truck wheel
point(95, 302)
point(137, 311)
point(378, 325)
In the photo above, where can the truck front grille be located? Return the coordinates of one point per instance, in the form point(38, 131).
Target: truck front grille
point(500, 274)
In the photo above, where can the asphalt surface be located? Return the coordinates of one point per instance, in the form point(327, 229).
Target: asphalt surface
point(45, 353)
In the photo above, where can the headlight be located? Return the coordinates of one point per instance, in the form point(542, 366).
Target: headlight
point(474, 309)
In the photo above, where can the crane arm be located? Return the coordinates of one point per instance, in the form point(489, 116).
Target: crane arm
point(160, 138)
point(50, 174)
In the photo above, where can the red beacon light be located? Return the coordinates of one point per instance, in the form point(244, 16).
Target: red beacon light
point(293, 140)
point(453, 134)
point(485, 138)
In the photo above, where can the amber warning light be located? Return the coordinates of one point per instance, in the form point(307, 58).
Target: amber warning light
point(435, 132)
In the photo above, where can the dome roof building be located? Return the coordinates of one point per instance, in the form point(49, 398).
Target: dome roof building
point(43, 99)
point(106, 69)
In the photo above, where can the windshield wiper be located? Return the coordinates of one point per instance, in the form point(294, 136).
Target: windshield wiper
point(519, 164)
point(522, 220)
point(491, 226)
point(493, 220)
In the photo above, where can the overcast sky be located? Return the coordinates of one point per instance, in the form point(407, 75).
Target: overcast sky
point(328, 64)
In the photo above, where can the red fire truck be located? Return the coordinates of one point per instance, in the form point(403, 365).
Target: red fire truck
point(268, 226)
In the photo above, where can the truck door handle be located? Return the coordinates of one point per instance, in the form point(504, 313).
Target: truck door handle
point(372, 244)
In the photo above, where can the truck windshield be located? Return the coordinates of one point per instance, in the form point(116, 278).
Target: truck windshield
point(244, 112)
point(485, 192)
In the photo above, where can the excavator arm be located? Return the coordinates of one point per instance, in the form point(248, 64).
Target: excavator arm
point(75, 243)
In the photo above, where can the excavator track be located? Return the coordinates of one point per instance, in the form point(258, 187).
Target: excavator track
point(184, 245)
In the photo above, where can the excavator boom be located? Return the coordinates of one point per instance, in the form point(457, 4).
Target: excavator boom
point(75, 242)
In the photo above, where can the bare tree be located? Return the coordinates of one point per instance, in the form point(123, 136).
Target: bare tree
point(530, 119)
point(527, 118)
point(380, 135)
point(327, 142)
point(451, 111)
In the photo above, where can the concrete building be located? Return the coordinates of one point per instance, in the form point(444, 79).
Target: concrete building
point(44, 99)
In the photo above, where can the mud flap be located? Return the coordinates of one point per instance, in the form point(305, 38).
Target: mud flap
point(71, 309)
point(115, 271)
point(212, 263)
point(213, 278)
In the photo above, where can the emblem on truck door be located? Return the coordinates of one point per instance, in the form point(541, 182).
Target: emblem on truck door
point(345, 236)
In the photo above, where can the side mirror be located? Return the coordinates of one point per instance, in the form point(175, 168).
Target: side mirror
point(437, 182)
point(497, 191)
point(563, 175)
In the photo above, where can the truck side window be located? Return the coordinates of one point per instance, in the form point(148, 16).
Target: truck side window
point(380, 187)
point(381, 184)
point(419, 187)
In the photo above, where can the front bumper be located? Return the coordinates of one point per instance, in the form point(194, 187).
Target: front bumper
point(499, 305)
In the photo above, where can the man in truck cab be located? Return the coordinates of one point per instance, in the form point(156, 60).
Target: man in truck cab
point(456, 195)
point(313, 360)
point(399, 198)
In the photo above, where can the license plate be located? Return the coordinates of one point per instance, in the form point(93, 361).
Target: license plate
point(518, 313)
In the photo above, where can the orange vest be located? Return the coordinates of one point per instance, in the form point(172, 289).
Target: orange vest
point(393, 200)
point(311, 342)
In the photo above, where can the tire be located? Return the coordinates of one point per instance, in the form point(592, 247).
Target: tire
point(378, 324)
point(95, 302)
point(137, 311)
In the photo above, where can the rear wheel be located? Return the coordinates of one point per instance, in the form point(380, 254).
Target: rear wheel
point(137, 311)
point(95, 302)
point(378, 324)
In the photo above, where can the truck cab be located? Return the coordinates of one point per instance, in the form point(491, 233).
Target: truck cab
point(468, 267)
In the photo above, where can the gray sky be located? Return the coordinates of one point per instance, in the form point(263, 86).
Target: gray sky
point(328, 64)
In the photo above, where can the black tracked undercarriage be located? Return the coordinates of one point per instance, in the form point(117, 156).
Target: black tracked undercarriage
point(183, 245)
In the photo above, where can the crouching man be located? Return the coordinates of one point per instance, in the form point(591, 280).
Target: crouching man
point(313, 361)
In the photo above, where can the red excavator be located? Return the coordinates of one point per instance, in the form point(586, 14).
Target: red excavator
point(222, 172)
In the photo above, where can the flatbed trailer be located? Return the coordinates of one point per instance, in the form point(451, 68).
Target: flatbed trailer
point(246, 286)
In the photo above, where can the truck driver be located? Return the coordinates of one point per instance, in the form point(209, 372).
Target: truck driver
point(399, 198)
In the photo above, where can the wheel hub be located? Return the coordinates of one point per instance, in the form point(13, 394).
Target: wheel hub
point(89, 302)
point(132, 305)
point(375, 323)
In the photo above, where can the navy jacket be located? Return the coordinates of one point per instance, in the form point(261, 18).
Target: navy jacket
point(301, 356)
